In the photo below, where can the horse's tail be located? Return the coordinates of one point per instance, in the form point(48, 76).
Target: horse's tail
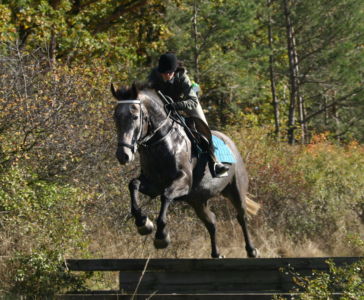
point(252, 206)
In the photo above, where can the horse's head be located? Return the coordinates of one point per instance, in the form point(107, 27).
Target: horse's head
point(130, 121)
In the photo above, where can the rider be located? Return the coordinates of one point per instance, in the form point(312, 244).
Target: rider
point(172, 80)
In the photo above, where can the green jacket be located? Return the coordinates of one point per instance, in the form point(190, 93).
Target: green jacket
point(179, 88)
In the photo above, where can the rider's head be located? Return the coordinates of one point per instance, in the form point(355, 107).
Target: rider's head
point(167, 65)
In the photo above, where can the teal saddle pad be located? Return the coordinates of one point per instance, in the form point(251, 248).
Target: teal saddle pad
point(222, 151)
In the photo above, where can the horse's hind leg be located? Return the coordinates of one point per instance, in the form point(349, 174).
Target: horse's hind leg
point(144, 225)
point(237, 198)
point(209, 219)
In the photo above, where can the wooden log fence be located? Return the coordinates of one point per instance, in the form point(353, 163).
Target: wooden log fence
point(231, 278)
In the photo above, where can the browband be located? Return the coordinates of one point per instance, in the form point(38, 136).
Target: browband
point(136, 101)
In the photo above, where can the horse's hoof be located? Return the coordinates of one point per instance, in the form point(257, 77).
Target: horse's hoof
point(253, 253)
point(147, 228)
point(162, 243)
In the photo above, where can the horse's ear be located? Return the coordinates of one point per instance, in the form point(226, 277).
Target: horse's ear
point(134, 90)
point(113, 91)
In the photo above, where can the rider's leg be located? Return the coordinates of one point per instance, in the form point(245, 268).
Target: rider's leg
point(205, 142)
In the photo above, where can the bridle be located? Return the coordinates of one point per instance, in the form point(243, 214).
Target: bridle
point(134, 145)
point(138, 141)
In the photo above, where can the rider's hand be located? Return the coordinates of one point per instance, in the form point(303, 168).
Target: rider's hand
point(171, 106)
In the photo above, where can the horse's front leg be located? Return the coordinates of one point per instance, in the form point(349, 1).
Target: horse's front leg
point(144, 225)
point(180, 187)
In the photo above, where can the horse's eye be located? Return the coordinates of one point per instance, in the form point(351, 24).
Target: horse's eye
point(135, 117)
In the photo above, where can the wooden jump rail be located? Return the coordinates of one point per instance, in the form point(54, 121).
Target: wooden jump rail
point(230, 277)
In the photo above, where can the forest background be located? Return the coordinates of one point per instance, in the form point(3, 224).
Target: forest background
point(283, 78)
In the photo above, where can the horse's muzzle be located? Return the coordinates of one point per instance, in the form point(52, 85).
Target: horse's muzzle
point(124, 155)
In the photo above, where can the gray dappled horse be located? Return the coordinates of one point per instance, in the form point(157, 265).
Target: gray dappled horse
point(170, 169)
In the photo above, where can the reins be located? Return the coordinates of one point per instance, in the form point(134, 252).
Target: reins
point(177, 117)
point(146, 139)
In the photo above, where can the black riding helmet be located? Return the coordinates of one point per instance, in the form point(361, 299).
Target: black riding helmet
point(168, 63)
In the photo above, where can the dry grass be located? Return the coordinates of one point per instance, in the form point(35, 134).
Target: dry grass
point(190, 239)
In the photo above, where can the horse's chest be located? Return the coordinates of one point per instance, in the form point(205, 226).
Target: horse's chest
point(159, 167)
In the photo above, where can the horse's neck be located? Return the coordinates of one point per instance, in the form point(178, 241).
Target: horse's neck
point(155, 109)
point(171, 133)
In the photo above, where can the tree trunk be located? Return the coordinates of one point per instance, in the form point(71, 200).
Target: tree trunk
point(53, 39)
point(195, 36)
point(326, 111)
point(275, 101)
point(302, 119)
point(301, 107)
point(335, 116)
point(52, 49)
point(293, 76)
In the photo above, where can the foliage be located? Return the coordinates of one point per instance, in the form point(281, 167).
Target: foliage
point(329, 62)
point(46, 113)
point(45, 139)
point(346, 280)
point(41, 223)
point(118, 32)
point(339, 282)
point(43, 274)
point(313, 192)
point(224, 45)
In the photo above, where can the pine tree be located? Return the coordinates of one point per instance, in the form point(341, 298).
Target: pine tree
point(324, 65)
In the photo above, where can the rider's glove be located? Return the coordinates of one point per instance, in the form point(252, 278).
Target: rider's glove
point(171, 106)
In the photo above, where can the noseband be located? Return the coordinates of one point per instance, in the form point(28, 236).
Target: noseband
point(138, 140)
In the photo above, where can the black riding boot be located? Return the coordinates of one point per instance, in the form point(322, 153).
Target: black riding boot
point(217, 168)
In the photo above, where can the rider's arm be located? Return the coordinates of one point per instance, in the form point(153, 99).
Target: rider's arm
point(190, 100)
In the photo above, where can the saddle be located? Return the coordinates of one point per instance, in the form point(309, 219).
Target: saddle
point(199, 134)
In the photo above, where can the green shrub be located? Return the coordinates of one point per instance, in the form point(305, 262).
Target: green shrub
point(43, 273)
point(41, 223)
point(344, 283)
